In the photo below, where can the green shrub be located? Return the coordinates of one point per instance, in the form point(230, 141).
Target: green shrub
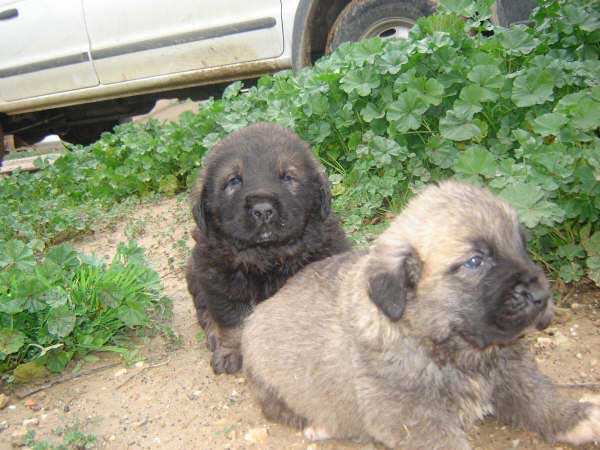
point(69, 304)
point(517, 110)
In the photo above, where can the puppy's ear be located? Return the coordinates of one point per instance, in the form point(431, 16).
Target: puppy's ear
point(390, 288)
point(324, 196)
point(199, 209)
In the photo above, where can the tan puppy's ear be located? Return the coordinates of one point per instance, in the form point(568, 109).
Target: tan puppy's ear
point(389, 288)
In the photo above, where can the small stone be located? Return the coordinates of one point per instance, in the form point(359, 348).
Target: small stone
point(3, 401)
point(515, 443)
point(12, 407)
point(256, 435)
point(575, 305)
point(112, 437)
point(578, 355)
point(34, 422)
point(593, 362)
point(195, 395)
point(3, 426)
point(120, 373)
point(544, 342)
point(241, 380)
point(32, 404)
point(139, 365)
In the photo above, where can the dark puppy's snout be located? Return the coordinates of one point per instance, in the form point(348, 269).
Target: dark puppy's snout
point(261, 208)
point(534, 292)
point(262, 212)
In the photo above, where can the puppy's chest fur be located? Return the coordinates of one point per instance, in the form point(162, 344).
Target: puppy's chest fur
point(468, 376)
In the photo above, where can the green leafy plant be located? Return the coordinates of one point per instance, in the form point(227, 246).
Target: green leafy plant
point(68, 304)
point(517, 110)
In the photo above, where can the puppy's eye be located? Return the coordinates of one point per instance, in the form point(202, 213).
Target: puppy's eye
point(234, 181)
point(474, 262)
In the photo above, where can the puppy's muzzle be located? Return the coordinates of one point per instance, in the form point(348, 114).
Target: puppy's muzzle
point(262, 211)
point(536, 296)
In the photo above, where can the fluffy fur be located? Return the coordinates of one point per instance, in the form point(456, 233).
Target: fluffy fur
point(263, 211)
point(413, 341)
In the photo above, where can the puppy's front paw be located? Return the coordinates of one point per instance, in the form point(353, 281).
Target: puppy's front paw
point(226, 360)
point(588, 430)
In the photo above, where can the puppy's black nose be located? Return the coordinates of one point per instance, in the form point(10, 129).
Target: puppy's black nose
point(534, 293)
point(262, 212)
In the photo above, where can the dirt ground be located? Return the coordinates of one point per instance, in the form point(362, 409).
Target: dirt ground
point(172, 400)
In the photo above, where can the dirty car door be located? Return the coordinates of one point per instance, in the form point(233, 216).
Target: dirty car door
point(134, 39)
point(44, 48)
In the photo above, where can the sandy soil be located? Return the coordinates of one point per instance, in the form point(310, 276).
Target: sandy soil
point(172, 400)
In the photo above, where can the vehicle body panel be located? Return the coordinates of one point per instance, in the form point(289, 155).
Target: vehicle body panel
point(37, 57)
point(143, 38)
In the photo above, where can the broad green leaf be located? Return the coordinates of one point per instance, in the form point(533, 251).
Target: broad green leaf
point(110, 296)
point(61, 321)
point(430, 91)
point(132, 314)
point(16, 254)
point(476, 95)
point(370, 112)
point(592, 244)
point(586, 114)
point(55, 297)
point(11, 340)
point(517, 40)
point(487, 76)
point(532, 88)
point(549, 124)
point(57, 360)
point(360, 81)
point(406, 112)
point(455, 128)
point(593, 269)
point(528, 200)
point(571, 272)
point(12, 305)
point(34, 304)
point(476, 160)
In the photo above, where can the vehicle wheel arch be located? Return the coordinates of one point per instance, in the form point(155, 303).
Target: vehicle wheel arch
point(312, 23)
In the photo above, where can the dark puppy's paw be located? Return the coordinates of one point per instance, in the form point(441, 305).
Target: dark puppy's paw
point(226, 360)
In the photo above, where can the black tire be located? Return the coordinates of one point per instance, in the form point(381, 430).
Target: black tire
point(363, 19)
point(87, 134)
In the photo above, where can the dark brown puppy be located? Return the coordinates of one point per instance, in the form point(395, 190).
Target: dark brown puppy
point(263, 211)
point(413, 341)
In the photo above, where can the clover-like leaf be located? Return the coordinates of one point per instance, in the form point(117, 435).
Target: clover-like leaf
point(476, 160)
point(532, 88)
point(456, 128)
point(11, 341)
point(16, 254)
point(528, 200)
point(406, 112)
point(517, 40)
point(61, 321)
point(549, 124)
point(132, 314)
point(360, 81)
